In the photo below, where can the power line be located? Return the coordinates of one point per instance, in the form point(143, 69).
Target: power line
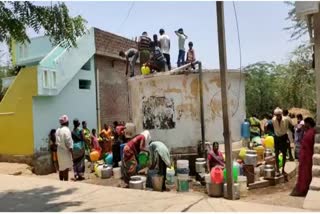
point(240, 54)
point(127, 16)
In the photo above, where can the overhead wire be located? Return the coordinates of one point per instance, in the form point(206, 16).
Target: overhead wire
point(240, 56)
point(127, 16)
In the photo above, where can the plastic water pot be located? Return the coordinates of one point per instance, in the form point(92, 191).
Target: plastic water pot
point(216, 175)
point(143, 159)
point(245, 130)
point(243, 189)
point(170, 176)
point(94, 156)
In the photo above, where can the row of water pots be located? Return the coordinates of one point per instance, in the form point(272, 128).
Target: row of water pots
point(105, 171)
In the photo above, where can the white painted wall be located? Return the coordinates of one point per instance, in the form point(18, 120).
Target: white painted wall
point(72, 101)
point(184, 91)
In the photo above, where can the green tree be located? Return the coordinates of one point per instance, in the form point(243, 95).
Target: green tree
point(299, 27)
point(18, 16)
point(259, 88)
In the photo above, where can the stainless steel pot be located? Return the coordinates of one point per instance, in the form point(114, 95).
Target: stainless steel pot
point(140, 177)
point(267, 153)
point(214, 190)
point(269, 172)
point(106, 172)
point(135, 182)
point(251, 157)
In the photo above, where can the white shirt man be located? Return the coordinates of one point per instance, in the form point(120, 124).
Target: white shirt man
point(164, 41)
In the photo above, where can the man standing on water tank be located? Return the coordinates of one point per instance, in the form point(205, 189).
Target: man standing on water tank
point(182, 39)
point(165, 46)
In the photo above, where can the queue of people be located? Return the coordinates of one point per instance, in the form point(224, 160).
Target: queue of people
point(70, 149)
point(155, 54)
point(287, 135)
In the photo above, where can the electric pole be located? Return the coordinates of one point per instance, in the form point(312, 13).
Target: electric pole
point(224, 98)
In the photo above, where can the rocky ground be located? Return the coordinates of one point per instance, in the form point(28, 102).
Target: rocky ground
point(275, 195)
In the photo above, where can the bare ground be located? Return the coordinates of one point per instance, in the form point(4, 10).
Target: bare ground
point(274, 195)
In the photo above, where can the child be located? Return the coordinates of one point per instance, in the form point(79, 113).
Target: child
point(191, 57)
point(53, 148)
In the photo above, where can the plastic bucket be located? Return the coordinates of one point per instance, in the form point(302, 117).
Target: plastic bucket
point(182, 164)
point(117, 173)
point(183, 185)
point(242, 180)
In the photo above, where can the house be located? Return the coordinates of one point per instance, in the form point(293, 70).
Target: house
point(87, 82)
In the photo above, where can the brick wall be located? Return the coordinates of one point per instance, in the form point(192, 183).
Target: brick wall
point(111, 44)
point(113, 87)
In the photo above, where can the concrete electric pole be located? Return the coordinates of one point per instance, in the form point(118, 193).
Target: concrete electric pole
point(224, 98)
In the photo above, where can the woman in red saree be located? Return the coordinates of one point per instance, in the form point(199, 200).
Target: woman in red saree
point(305, 159)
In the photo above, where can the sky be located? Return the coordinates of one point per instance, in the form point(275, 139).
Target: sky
point(261, 27)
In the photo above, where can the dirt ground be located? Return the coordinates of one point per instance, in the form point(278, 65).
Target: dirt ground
point(275, 195)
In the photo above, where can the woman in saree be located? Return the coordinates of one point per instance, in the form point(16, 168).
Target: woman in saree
point(215, 157)
point(86, 136)
point(78, 151)
point(305, 159)
point(131, 151)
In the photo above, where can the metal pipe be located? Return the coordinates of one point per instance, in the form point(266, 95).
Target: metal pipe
point(203, 135)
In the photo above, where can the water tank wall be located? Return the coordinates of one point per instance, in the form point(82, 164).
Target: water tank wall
point(169, 106)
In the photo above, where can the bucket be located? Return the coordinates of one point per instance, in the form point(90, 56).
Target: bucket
point(117, 173)
point(183, 185)
point(236, 191)
point(157, 182)
point(181, 164)
point(243, 189)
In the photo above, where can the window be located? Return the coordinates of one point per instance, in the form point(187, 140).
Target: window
point(87, 66)
point(84, 84)
point(54, 80)
point(45, 79)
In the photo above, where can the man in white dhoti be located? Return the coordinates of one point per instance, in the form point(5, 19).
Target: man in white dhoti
point(64, 150)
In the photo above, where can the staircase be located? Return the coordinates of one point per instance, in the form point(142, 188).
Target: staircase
point(311, 201)
point(63, 63)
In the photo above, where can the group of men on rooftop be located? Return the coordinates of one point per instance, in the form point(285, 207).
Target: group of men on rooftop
point(156, 54)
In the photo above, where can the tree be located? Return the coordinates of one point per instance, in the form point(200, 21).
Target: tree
point(269, 85)
point(299, 27)
point(16, 17)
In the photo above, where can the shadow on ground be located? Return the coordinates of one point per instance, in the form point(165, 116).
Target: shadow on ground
point(36, 200)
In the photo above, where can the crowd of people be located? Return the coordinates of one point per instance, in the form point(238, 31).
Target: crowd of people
point(70, 149)
point(155, 54)
point(287, 136)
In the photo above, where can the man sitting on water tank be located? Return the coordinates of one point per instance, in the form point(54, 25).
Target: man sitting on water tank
point(215, 157)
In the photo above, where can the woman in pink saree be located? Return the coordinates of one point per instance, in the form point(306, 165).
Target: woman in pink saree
point(305, 159)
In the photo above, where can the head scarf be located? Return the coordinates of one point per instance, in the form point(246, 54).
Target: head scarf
point(147, 136)
point(130, 130)
point(63, 119)
point(278, 111)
